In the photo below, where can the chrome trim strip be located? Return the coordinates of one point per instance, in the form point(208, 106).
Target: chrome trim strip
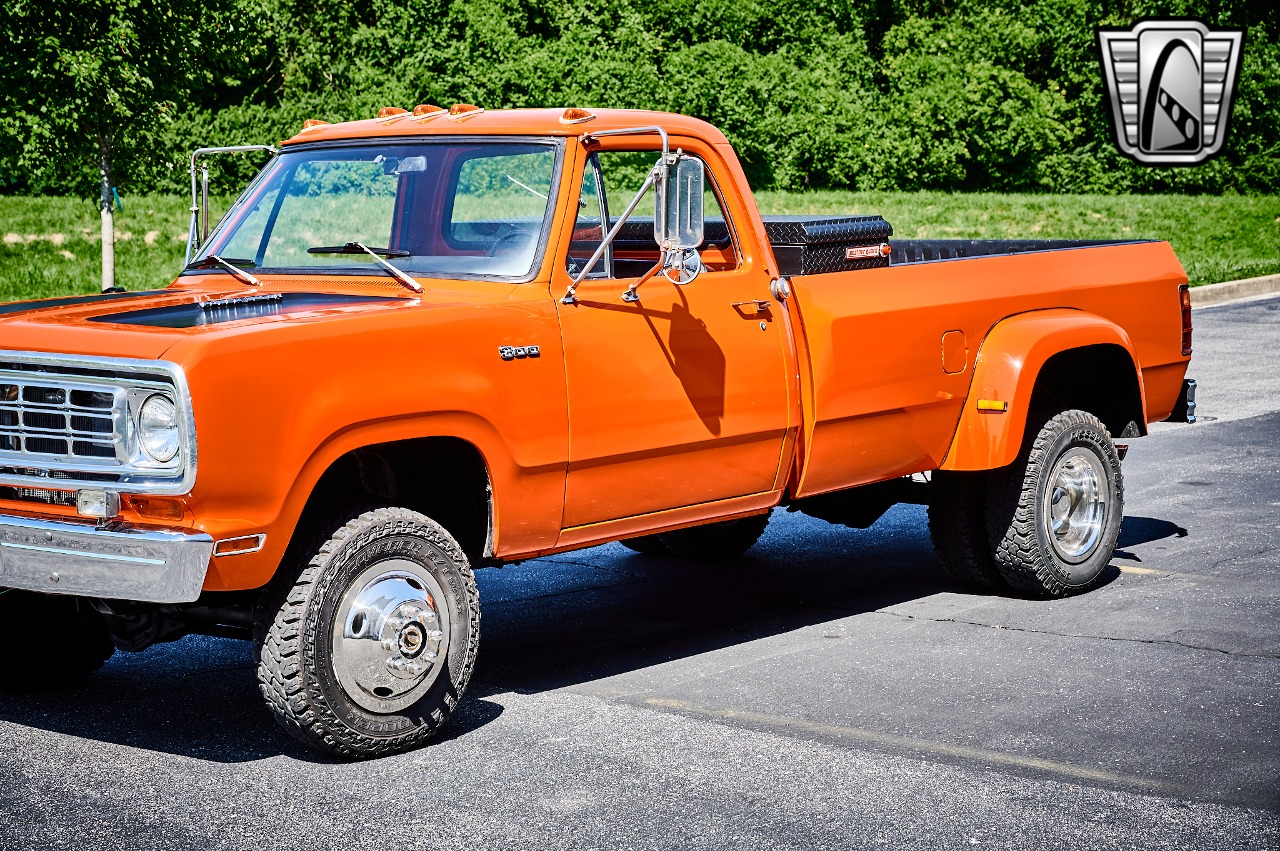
point(138, 373)
point(118, 561)
point(81, 553)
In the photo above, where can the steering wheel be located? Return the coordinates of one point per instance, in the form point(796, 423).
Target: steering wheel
point(511, 243)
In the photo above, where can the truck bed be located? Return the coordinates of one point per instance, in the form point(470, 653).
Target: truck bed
point(811, 245)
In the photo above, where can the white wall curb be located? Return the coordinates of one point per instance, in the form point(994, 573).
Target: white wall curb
point(1234, 290)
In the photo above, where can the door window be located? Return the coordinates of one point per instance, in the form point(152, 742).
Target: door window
point(609, 184)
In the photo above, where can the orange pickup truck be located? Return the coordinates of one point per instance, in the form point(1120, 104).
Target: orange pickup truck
point(442, 339)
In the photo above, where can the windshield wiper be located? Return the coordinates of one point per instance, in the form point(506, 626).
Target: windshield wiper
point(360, 247)
point(209, 261)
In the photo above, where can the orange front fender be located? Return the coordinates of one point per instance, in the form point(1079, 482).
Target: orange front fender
point(1008, 363)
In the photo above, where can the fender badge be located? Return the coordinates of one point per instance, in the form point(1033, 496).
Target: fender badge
point(514, 352)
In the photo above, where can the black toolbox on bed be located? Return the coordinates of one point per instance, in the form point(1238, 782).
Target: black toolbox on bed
point(814, 245)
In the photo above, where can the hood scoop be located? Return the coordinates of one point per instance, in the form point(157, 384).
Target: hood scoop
point(236, 309)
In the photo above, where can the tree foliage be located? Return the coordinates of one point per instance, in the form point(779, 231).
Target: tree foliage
point(865, 94)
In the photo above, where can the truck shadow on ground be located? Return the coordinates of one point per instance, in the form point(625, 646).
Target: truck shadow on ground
point(555, 622)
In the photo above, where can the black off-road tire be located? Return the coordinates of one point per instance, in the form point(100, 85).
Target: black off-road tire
point(1020, 540)
point(72, 641)
point(650, 545)
point(958, 527)
point(295, 665)
point(716, 541)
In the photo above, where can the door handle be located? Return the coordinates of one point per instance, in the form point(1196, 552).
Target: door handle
point(753, 308)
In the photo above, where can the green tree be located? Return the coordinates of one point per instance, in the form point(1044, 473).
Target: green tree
point(91, 84)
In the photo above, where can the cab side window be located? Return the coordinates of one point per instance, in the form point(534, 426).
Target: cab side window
point(609, 184)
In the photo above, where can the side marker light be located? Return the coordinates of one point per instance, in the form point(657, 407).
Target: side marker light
point(239, 546)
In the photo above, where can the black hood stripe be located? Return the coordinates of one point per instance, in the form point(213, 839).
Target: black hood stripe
point(69, 301)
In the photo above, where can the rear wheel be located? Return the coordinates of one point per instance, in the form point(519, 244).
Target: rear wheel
point(1053, 517)
point(60, 641)
point(374, 644)
point(716, 541)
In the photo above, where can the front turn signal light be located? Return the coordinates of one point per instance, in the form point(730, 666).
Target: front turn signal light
point(158, 507)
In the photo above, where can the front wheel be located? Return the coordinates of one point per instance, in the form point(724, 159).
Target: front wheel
point(1053, 516)
point(373, 646)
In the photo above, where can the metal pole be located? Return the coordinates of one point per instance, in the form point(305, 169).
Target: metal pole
point(204, 202)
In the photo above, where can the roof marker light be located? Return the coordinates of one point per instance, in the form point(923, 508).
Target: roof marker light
point(390, 113)
point(459, 111)
point(425, 111)
point(314, 122)
point(576, 115)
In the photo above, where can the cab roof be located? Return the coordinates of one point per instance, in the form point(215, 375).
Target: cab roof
point(473, 121)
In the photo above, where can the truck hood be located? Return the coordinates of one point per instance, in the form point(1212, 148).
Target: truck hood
point(146, 324)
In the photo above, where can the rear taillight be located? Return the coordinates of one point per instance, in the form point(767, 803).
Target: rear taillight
point(1184, 296)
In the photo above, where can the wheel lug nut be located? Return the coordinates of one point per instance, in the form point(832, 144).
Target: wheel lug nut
point(435, 634)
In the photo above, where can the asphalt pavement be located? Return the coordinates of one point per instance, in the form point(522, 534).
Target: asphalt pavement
point(830, 690)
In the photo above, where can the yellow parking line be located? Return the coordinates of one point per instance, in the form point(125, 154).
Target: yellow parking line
point(1144, 571)
point(1048, 766)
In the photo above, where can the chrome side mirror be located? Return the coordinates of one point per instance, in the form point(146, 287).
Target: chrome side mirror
point(678, 217)
point(678, 221)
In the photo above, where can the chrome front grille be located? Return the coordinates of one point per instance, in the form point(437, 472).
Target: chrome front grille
point(47, 418)
point(69, 422)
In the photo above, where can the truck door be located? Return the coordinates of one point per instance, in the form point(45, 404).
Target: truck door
point(680, 398)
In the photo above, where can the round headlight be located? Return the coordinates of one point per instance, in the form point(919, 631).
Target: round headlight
point(158, 428)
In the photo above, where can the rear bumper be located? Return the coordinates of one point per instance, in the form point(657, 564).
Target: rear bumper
point(119, 562)
point(1184, 410)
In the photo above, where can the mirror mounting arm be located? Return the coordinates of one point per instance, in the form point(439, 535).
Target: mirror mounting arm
point(569, 296)
point(659, 172)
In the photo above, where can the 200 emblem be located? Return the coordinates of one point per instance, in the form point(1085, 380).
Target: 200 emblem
point(513, 352)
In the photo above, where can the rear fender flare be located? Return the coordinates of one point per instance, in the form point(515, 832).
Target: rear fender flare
point(1007, 366)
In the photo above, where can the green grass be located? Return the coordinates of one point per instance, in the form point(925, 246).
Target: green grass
point(50, 246)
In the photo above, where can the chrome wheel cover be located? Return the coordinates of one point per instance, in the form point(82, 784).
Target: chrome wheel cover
point(390, 636)
point(1075, 506)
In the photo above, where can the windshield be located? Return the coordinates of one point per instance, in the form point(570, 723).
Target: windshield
point(451, 210)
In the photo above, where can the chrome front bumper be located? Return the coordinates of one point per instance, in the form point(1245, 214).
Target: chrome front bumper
point(117, 562)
